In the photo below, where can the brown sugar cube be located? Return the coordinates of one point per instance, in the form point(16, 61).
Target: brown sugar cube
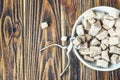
point(114, 13)
point(63, 38)
point(79, 30)
point(102, 63)
point(77, 41)
point(95, 28)
point(114, 49)
point(94, 50)
point(97, 57)
point(44, 25)
point(94, 42)
point(86, 24)
point(103, 34)
point(87, 58)
point(114, 40)
point(88, 15)
point(114, 58)
point(105, 55)
point(108, 21)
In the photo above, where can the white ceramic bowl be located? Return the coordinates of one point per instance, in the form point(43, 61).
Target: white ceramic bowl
point(111, 67)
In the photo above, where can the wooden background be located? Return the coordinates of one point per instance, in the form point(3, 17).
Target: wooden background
point(21, 37)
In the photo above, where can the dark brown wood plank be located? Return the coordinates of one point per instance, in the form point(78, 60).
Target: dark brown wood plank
point(50, 58)
point(44, 65)
point(70, 10)
point(11, 55)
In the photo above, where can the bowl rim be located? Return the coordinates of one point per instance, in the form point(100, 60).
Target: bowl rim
point(75, 51)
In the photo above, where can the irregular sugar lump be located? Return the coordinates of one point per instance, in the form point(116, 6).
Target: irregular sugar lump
point(80, 30)
point(105, 55)
point(102, 63)
point(94, 50)
point(44, 25)
point(94, 42)
point(63, 38)
point(114, 13)
point(103, 46)
point(77, 41)
point(102, 35)
point(108, 21)
point(114, 58)
point(86, 24)
point(99, 15)
point(88, 15)
point(87, 58)
point(97, 57)
point(95, 28)
point(112, 32)
point(114, 49)
point(114, 40)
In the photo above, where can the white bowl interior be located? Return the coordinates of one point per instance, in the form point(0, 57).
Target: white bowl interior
point(105, 9)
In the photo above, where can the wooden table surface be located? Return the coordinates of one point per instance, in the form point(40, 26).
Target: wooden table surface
point(21, 37)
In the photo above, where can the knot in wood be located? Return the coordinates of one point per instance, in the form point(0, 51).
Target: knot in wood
point(16, 30)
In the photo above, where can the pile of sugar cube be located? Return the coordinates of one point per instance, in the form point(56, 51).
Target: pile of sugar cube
point(98, 36)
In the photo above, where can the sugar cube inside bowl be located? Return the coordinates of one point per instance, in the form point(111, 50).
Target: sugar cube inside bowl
point(100, 26)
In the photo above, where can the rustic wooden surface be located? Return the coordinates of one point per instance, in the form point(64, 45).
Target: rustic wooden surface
point(21, 37)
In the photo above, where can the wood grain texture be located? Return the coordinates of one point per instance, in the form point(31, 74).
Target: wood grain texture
point(21, 37)
point(11, 46)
